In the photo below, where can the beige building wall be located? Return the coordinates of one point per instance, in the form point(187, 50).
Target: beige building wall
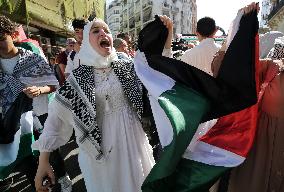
point(113, 18)
point(137, 13)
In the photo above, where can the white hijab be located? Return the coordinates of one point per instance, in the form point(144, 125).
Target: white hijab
point(89, 56)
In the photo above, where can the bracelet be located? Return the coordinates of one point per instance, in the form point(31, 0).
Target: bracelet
point(39, 91)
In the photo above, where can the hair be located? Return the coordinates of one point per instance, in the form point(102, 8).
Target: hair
point(6, 26)
point(121, 35)
point(70, 41)
point(206, 26)
point(117, 42)
point(79, 23)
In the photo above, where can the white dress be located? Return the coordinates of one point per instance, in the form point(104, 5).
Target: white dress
point(128, 153)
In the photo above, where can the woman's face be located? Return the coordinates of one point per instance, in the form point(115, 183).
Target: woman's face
point(100, 38)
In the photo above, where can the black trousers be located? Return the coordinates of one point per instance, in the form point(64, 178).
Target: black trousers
point(28, 167)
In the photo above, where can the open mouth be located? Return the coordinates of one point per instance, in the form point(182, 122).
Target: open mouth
point(104, 43)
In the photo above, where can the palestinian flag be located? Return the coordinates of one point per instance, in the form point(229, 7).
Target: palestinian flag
point(182, 97)
point(19, 149)
point(16, 134)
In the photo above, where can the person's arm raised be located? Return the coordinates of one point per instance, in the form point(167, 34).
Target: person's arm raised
point(168, 44)
point(169, 25)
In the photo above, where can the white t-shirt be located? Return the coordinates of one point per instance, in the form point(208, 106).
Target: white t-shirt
point(40, 103)
point(202, 55)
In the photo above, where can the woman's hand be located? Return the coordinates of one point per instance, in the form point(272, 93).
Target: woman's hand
point(249, 8)
point(32, 91)
point(167, 22)
point(44, 177)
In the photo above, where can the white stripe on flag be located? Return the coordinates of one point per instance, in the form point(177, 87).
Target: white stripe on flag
point(212, 155)
point(11, 150)
point(156, 83)
point(163, 124)
point(202, 129)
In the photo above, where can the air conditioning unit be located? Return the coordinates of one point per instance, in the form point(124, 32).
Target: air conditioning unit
point(45, 44)
point(44, 41)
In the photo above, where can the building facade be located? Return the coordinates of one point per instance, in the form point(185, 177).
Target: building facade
point(49, 22)
point(113, 18)
point(137, 13)
point(273, 14)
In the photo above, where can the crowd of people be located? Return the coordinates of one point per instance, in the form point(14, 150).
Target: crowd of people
point(99, 91)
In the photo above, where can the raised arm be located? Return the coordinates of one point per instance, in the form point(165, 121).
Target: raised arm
point(167, 52)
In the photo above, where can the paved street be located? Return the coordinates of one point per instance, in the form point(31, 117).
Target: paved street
point(70, 154)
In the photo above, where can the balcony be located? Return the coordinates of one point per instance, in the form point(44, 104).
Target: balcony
point(275, 9)
point(137, 7)
point(175, 9)
point(131, 22)
point(114, 4)
point(131, 10)
point(166, 5)
point(166, 12)
point(147, 15)
point(124, 25)
point(147, 3)
point(137, 20)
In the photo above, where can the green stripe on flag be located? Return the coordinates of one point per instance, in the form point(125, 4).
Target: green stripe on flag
point(24, 151)
point(184, 107)
point(192, 176)
point(51, 97)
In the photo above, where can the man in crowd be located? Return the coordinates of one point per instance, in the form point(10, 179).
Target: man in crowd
point(25, 81)
point(62, 57)
point(72, 60)
point(201, 56)
point(129, 42)
point(121, 48)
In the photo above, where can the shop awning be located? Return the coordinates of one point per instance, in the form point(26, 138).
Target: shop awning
point(55, 15)
point(58, 14)
point(15, 9)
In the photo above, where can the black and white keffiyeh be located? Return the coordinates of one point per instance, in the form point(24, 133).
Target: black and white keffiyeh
point(31, 69)
point(131, 84)
point(277, 52)
point(78, 96)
